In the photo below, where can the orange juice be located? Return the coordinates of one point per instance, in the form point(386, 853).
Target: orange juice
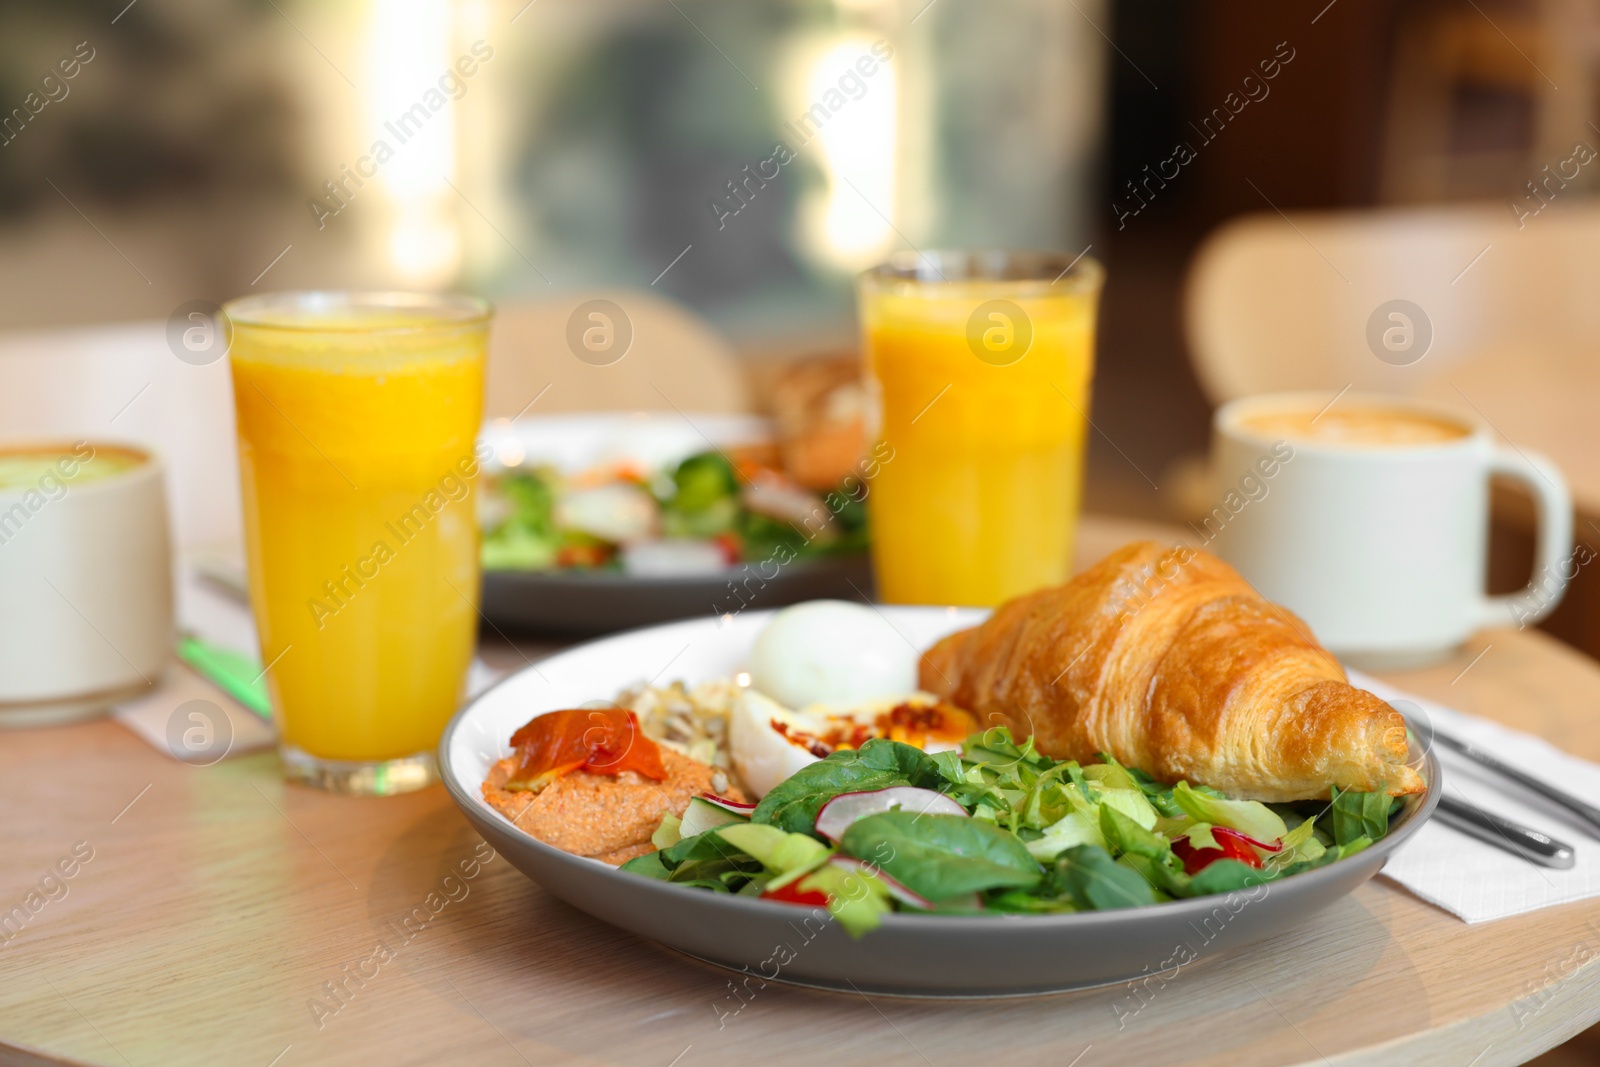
point(981, 365)
point(357, 421)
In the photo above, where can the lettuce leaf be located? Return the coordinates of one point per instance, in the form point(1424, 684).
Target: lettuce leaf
point(1249, 817)
point(856, 899)
point(1073, 829)
point(1130, 802)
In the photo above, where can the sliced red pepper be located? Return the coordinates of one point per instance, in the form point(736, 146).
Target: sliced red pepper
point(595, 740)
point(793, 894)
point(730, 546)
point(1232, 845)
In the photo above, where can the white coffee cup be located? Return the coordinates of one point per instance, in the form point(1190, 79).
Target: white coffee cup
point(1369, 518)
point(85, 577)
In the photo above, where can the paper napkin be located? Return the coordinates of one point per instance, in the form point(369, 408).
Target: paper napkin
point(192, 720)
point(1477, 881)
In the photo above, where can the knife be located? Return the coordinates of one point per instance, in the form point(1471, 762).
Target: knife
point(1585, 811)
point(1513, 837)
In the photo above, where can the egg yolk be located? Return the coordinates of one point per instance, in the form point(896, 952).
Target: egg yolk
point(914, 724)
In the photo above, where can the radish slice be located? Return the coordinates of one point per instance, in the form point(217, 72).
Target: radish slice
point(1276, 846)
point(736, 806)
point(837, 814)
point(896, 889)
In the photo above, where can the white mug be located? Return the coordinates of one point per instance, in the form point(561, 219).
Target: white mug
point(86, 580)
point(1381, 548)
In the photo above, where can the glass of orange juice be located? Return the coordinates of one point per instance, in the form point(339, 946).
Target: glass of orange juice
point(358, 416)
point(979, 365)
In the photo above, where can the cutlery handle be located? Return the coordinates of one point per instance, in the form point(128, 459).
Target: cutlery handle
point(1587, 812)
point(1513, 837)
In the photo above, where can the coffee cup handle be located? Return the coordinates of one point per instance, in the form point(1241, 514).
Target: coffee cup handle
point(1553, 549)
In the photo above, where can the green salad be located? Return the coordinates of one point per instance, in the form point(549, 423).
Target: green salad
point(701, 515)
point(995, 827)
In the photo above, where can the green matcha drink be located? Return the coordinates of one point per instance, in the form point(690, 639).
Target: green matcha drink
point(80, 464)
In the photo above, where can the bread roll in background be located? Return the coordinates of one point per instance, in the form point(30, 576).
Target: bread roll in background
point(819, 406)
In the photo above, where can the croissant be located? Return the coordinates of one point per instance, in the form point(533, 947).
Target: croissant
point(1169, 661)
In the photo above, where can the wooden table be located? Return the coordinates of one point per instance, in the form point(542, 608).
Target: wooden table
point(219, 904)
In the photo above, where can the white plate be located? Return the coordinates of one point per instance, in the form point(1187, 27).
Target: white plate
point(649, 439)
point(693, 651)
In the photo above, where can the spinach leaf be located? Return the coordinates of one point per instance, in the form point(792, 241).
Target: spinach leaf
point(700, 847)
point(1354, 815)
point(941, 856)
point(1226, 876)
point(649, 865)
point(1026, 903)
point(793, 803)
point(1090, 878)
point(917, 766)
point(1146, 853)
point(1166, 880)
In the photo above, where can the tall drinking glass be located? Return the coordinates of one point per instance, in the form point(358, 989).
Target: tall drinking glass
point(358, 415)
point(980, 365)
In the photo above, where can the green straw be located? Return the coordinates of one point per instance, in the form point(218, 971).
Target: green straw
point(235, 673)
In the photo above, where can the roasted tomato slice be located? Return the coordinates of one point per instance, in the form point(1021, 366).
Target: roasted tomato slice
point(1231, 846)
point(595, 740)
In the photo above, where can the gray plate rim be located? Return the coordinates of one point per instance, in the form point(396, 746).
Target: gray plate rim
point(687, 581)
point(1409, 821)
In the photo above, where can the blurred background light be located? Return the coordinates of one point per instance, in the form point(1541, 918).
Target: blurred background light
point(849, 223)
point(411, 44)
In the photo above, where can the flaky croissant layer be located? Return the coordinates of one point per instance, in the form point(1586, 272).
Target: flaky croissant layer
point(1172, 663)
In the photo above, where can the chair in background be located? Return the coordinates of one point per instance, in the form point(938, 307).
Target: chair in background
point(1274, 302)
point(123, 383)
point(675, 359)
point(1278, 302)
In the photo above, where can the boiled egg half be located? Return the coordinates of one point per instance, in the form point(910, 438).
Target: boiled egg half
point(830, 675)
point(830, 652)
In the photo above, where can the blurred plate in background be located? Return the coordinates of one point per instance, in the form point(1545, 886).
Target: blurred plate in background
point(585, 603)
point(649, 439)
point(581, 601)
